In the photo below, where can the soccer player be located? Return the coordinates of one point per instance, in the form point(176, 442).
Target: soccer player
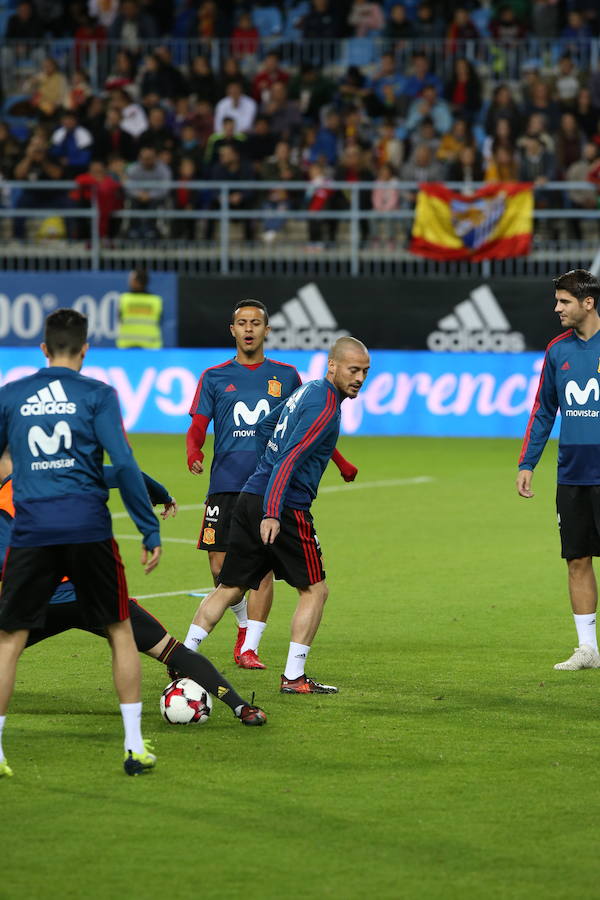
point(272, 528)
point(58, 425)
point(235, 395)
point(570, 380)
point(151, 637)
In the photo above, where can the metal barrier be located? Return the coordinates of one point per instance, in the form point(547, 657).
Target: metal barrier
point(356, 248)
point(496, 60)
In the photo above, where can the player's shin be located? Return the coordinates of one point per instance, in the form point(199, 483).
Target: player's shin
point(127, 674)
point(254, 633)
point(211, 611)
point(11, 646)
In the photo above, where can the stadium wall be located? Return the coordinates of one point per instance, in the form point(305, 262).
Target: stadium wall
point(407, 392)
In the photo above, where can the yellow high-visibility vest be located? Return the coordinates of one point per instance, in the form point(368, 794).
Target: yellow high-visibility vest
point(139, 321)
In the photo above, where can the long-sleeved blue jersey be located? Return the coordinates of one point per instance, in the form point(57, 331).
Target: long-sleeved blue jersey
point(570, 380)
point(57, 424)
point(295, 443)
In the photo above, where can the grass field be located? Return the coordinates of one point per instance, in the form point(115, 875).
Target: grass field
point(455, 762)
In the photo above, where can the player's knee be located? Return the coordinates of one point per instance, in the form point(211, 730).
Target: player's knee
point(323, 592)
point(579, 565)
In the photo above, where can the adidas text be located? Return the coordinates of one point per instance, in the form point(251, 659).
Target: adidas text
point(476, 341)
point(50, 408)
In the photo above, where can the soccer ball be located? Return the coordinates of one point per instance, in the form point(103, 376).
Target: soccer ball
point(184, 701)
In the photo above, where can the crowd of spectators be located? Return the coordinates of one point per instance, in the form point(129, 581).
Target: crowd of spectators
point(395, 119)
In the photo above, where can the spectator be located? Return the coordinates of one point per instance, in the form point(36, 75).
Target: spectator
point(204, 25)
point(320, 23)
point(105, 11)
point(388, 148)
point(185, 198)
point(317, 199)
point(503, 106)
point(544, 18)
point(237, 106)
point(228, 135)
point(131, 26)
point(269, 73)
point(202, 83)
point(71, 145)
point(203, 122)
point(536, 165)
point(425, 135)
point(88, 34)
point(467, 168)
point(353, 87)
point(133, 116)
point(387, 77)
point(245, 37)
point(98, 187)
point(502, 166)
point(566, 83)
point(11, 151)
point(428, 26)
point(541, 102)
point(24, 24)
point(503, 136)
point(399, 28)
point(581, 170)
point(147, 169)
point(279, 168)
point(172, 83)
point(267, 19)
point(231, 72)
point(422, 166)
point(281, 160)
point(430, 106)
point(463, 90)
point(325, 147)
point(260, 143)
point(357, 129)
point(190, 146)
point(506, 27)
point(37, 167)
point(283, 114)
point(576, 30)
point(159, 134)
point(112, 139)
point(312, 91)
point(536, 127)
point(587, 117)
point(78, 91)
point(420, 77)
point(385, 198)
point(569, 143)
point(49, 89)
point(122, 74)
point(231, 167)
point(461, 29)
point(454, 140)
point(366, 18)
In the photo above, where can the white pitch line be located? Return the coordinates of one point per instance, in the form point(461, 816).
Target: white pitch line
point(169, 540)
point(329, 489)
point(172, 593)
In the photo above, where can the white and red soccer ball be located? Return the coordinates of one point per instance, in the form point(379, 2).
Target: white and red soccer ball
point(184, 702)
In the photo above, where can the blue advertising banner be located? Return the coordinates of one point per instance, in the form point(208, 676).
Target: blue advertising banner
point(406, 393)
point(26, 298)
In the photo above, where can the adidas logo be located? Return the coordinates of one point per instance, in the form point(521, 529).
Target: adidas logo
point(304, 323)
point(230, 387)
point(478, 324)
point(565, 367)
point(49, 401)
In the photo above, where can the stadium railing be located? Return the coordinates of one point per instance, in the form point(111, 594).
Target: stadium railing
point(495, 60)
point(561, 233)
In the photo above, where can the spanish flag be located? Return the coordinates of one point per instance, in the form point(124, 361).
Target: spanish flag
point(493, 223)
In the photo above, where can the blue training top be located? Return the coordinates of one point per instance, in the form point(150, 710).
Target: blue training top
point(237, 397)
point(570, 380)
point(57, 424)
point(295, 443)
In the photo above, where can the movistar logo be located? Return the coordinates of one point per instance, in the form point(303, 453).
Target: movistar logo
point(49, 401)
point(250, 416)
point(573, 393)
point(49, 444)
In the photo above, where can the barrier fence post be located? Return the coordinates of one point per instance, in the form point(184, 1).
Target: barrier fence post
point(224, 229)
point(354, 230)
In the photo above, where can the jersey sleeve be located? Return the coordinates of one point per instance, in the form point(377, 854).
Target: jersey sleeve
point(195, 437)
point(542, 416)
point(110, 433)
point(156, 491)
point(204, 399)
point(309, 430)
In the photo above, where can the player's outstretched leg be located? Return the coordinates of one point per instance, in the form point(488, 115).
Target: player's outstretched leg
point(127, 674)
point(200, 669)
point(304, 628)
point(11, 646)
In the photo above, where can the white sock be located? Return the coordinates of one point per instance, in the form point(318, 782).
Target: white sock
point(2, 721)
point(586, 629)
point(195, 636)
point(240, 611)
point(254, 632)
point(132, 722)
point(294, 667)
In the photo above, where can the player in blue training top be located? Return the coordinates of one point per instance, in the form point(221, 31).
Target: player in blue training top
point(272, 528)
point(236, 395)
point(58, 424)
point(570, 381)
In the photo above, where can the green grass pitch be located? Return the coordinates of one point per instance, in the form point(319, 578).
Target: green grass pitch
point(455, 762)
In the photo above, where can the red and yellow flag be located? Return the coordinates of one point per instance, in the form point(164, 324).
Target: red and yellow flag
point(493, 223)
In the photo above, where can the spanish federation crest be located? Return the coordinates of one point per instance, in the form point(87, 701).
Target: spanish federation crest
point(474, 220)
point(208, 536)
point(274, 388)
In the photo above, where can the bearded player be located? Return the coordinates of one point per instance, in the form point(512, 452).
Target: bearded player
point(236, 395)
